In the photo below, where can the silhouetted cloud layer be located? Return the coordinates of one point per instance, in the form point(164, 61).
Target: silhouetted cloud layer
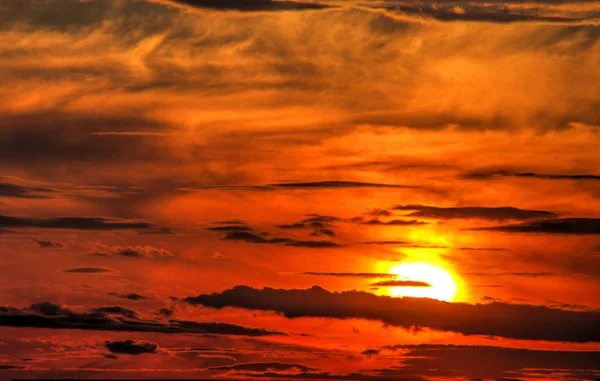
point(528, 175)
point(517, 321)
point(49, 315)
point(251, 5)
point(78, 223)
point(501, 213)
point(351, 275)
point(581, 226)
point(19, 191)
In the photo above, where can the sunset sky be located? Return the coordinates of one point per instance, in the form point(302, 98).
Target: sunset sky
point(368, 190)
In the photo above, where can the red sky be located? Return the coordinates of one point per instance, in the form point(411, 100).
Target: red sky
point(332, 190)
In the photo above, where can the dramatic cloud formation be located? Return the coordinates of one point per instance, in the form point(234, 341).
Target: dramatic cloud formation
point(18, 191)
point(517, 321)
point(49, 315)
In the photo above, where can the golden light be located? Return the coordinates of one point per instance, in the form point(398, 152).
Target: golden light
point(443, 287)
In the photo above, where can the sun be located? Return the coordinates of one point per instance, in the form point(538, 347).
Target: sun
point(443, 287)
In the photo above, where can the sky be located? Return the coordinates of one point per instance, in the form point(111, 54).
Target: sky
point(350, 190)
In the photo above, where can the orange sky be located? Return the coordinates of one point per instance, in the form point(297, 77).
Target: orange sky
point(224, 189)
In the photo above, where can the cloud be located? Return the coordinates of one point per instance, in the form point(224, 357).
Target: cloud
point(54, 316)
point(370, 352)
point(130, 296)
point(265, 367)
point(116, 310)
point(501, 213)
point(351, 275)
point(395, 222)
point(131, 251)
point(528, 175)
point(337, 184)
point(252, 5)
point(77, 223)
point(19, 191)
point(130, 347)
point(401, 283)
point(487, 362)
point(576, 226)
point(88, 270)
point(517, 321)
point(253, 238)
point(49, 244)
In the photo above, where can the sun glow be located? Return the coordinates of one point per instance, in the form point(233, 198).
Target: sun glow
point(443, 286)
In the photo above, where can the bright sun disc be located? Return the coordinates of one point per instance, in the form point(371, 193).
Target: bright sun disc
point(442, 284)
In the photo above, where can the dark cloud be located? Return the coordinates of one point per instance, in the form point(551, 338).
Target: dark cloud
point(50, 315)
point(337, 184)
point(517, 321)
point(49, 244)
point(116, 310)
point(472, 11)
point(487, 362)
point(531, 175)
point(500, 213)
point(88, 270)
point(130, 296)
point(518, 274)
point(351, 275)
point(19, 191)
point(370, 352)
point(230, 228)
point(393, 222)
point(251, 5)
point(77, 223)
point(401, 283)
point(253, 238)
point(265, 367)
point(129, 347)
point(578, 226)
point(321, 232)
point(132, 251)
point(11, 367)
point(166, 312)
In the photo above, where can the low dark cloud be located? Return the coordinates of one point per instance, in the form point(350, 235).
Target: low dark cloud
point(337, 184)
point(11, 367)
point(119, 319)
point(577, 226)
point(77, 223)
point(129, 347)
point(132, 251)
point(370, 352)
point(472, 11)
point(19, 191)
point(88, 270)
point(500, 213)
point(518, 274)
point(50, 244)
point(251, 5)
point(265, 367)
point(130, 296)
point(253, 238)
point(116, 310)
point(488, 362)
point(528, 175)
point(517, 321)
point(400, 283)
point(393, 222)
point(351, 275)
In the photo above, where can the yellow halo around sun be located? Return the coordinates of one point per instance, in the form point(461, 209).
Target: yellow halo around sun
point(443, 287)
